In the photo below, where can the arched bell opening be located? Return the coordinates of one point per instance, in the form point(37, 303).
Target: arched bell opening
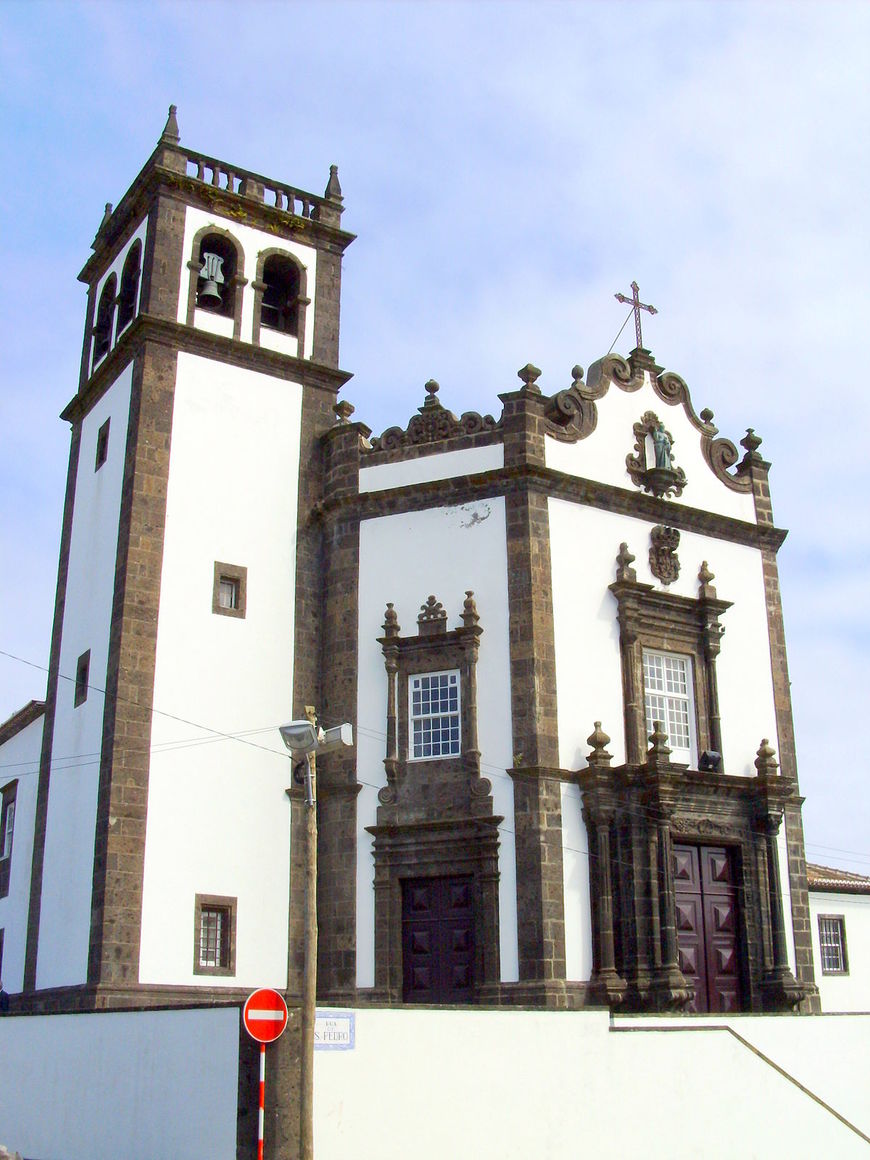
point(280, 305)
point(105, 319)
point(215, 287)
point(128, 297)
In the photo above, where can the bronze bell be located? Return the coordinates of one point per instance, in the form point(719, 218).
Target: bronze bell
point(209, 296)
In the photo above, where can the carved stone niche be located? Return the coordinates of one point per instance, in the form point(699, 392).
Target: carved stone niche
point(435, 815)
point(656, 472)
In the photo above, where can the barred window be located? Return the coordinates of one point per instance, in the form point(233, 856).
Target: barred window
point(832, 943)
point(214, 935)
point(668, 697)
point(434, 713)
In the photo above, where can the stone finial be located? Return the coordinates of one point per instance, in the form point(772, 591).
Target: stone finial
point(624, 560)
point(530, 375)
point(576, 376)
point(432, 618)
point(706, 589)
point(599, 741)
point(107, 213)
point(391, 622)
point(333, 188)
point(659, 751)
point(469, 610)
point(343, 410)
point(170, 134)
point(431, 387)
point(765, 761)
point(706, 416)
point(751, 442)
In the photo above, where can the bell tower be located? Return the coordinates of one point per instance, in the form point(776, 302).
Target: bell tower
point(187, 617)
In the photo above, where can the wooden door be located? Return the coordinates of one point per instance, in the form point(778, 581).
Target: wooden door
point(438, 940)
point(707, 926)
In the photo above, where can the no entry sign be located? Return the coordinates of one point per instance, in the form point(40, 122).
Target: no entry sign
point(265, 1015)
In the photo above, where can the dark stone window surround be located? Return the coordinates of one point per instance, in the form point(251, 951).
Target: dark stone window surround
point(435, 816)
point(83, 671)
point(101, 454)
point(303, 301)
point(841, 919)
point(239, 574)
point(8, 796)
point(664, 622)
point(236, 283)
point(229, 906)
point(131, 277)
point(104, 326)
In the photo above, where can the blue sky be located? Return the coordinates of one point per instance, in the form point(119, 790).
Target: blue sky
point(507, 168)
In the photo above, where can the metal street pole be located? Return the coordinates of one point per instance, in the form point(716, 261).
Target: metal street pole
point(309, 976)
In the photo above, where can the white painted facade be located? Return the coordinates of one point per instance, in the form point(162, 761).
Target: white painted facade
point(454, 549)
point(19, 762)
point(849, 991)
point(223, 684)
point(425, 469)
point(65, 916)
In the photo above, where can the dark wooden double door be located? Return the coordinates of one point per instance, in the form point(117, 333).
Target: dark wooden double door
point(438, 940)
point(708, 927)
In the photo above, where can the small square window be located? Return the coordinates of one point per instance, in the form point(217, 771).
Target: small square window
point(229, 594)
point(83, 667)
point(214, 951)
point(434, 715)
point(832, 944)
point(102, 445)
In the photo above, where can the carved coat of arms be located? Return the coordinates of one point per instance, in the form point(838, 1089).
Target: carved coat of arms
point(663, 562)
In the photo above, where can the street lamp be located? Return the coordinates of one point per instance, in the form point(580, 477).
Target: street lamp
point(305, 739)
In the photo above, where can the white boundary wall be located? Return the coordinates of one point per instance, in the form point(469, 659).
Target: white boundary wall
point(437, 1082)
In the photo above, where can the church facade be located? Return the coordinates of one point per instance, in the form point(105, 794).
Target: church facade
point(556, 631)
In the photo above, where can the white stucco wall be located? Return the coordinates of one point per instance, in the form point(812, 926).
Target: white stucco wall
point(117, 268)
point(19, 762)
point(516, 1084)
point(65, 917)
point(575, 875)
point(601, 456)
point(849, 992)
point(218, 818)
point(447, 465)
point(252, 241)
point(403, 559)
point(121, 1084)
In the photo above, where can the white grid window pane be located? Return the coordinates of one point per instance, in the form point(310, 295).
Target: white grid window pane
point(7, 831)
point(228, 593)
point(832, 942)
point(666, 682)
point(435, 715)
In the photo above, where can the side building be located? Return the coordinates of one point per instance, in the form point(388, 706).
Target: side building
point(556, 631)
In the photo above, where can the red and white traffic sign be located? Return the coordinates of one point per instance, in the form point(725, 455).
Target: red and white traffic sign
point(265, 1015)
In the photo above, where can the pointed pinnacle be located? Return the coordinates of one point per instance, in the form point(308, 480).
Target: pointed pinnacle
point(170, 135)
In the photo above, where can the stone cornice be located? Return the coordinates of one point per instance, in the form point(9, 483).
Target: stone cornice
point(21, 719)
point(501, 481)
point(146, 328)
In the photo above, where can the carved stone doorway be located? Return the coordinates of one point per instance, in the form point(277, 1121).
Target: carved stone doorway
point(438, 940)
point(708, 927)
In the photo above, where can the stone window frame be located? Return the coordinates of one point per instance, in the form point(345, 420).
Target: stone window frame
point(302, 299)
point(840, 920)
point(228, 905)
point(666, 623)
point(435, 816)
point(236, 282)
point(8, 797)
point(101, 453)
point(237, 573)
point(128, 294)
point(82, 682)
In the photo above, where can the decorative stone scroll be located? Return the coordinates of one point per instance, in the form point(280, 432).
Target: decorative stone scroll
point(433, 424)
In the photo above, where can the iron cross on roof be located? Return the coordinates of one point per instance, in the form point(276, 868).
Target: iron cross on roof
point(637, 306)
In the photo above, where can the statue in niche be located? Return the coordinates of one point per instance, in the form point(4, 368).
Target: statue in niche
point(662, 443)
point(651, 465)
